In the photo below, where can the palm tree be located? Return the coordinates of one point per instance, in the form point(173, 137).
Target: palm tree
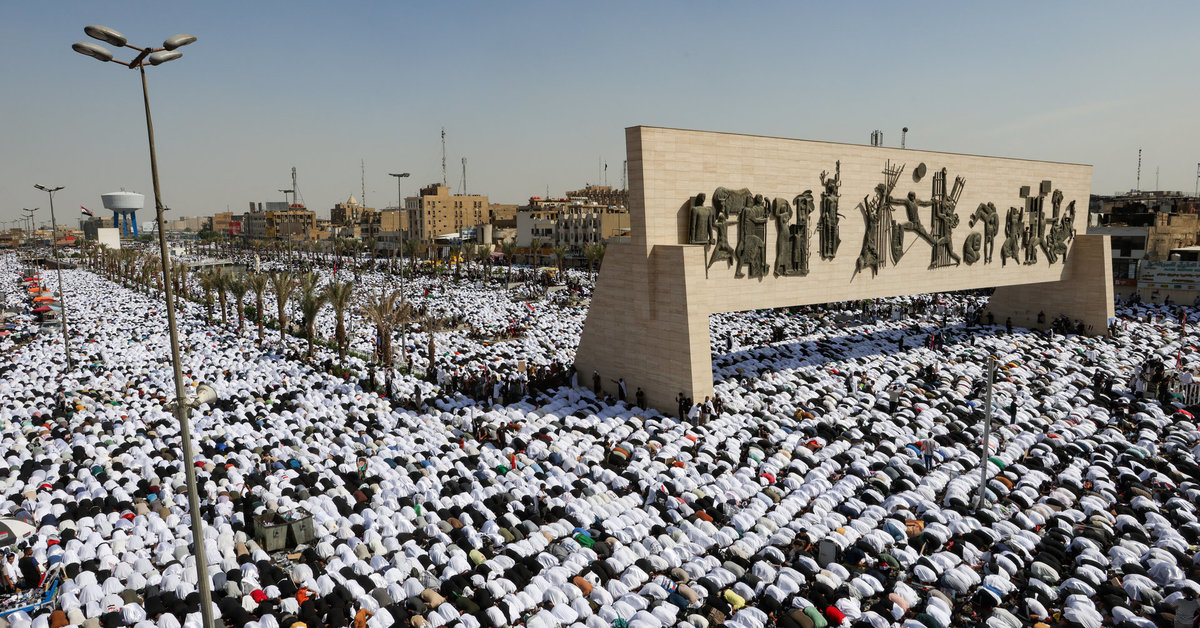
point(311, 300)
point(484, 253)
point(207, 283)
point(535, 249)
point(411, 247)
point(456, 255)
point(595, 255)
point(468, 255)
point(237, 287)
point(560, 254)
point(284, 284)
point(381, 311)
point(258, 283)
point(183, 279)
point(221, 285)
point(339, 295)
point(509, 248)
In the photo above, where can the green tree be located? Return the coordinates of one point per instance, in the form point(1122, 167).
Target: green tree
point(221, 285)
point(207, 284)
point(535, 250)
point(509, 248)
point(311, 301)
point(339, 294)
point(560, 254)
point(284, 284)
point(258, 284)
point(238, 288)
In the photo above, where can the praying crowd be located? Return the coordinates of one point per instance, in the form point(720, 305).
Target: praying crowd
point(839, 476)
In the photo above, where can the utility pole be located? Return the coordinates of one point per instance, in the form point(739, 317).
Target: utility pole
point(987, 432)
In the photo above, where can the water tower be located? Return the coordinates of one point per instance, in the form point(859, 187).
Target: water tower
point(124, 206)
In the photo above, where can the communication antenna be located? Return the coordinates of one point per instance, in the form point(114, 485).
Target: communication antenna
point(1197, 192)
point(1156, 178)
point(606, 173)
point(903, 136)
point(1138, 186)
point(297, 199)
point(464, 179)
point(363, 199)
point(443, 156)
point(625, 175)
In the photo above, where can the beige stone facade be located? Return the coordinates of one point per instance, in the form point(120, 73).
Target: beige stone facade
point(438, 212)
point(649, 317)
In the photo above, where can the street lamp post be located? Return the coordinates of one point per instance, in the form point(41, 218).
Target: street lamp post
point(403, 212)
point(62, 294)
point(29, 222)
point(156, 56)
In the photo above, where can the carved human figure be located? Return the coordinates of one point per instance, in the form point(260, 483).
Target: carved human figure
point(1031, 244)
point(782, 210)
point(912, 212)
point(827, 224)
point(971, 247)
point(751, 249)
point(868, 256)
point(700, 224)
point(945, 219)
point(799, 232)
point(987, 214)
point(1014, 230)
point(722, 251)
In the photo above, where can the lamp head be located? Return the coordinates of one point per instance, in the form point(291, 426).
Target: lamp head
point(163, 56)
point(106, 35)
point(178, 41)
point(398, 175)
point(204, 394)
point(95, 51)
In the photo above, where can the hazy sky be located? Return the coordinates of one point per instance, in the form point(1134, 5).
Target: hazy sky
point(534, 94)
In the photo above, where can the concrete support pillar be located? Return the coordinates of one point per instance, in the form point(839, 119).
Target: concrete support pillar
point(646, 332)
point(1084, 293)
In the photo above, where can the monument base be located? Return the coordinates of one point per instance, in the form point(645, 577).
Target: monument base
point(1085, 292)
point(645, 324)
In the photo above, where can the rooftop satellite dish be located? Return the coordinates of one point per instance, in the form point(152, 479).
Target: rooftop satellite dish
point(919, 172)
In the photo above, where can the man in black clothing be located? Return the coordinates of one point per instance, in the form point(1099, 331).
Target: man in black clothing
point(31, 574)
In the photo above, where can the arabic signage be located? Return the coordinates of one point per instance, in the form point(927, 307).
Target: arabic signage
point(1168, 275)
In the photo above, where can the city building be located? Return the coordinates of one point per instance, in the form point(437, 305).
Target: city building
point(502, 215)
point(439, 214)
point(601, 195)
point(1143, 226)
point(572, 222)
point(295, 223)
point(346, 214)
point(188, 224)
point(538, 221)
point(91, 225)
point(580, 225)
point(280, 220)
point(221, 221)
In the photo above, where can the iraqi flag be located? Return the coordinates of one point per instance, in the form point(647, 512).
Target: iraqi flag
point(87, 211)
